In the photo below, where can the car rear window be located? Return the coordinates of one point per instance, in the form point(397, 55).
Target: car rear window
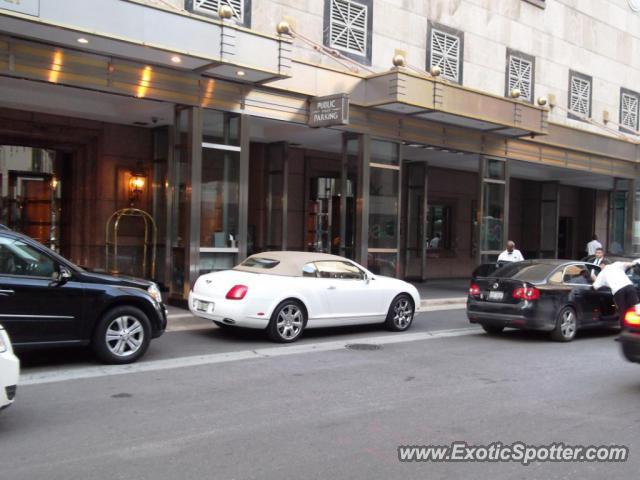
point(528, 272)
point(260, 262)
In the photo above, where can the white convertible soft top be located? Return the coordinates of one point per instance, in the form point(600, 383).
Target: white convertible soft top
point(289, 263)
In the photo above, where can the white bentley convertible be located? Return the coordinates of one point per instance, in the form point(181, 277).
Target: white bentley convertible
point(286, 292)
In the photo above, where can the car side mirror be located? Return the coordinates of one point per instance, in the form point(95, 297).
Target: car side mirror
point(61, 276)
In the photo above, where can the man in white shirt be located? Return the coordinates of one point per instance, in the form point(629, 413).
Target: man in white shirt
point(615, 277)
point(593, 245)
point(511, 254)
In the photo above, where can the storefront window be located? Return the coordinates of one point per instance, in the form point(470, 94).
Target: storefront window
point(220, 195)
point(493, 217)
point(220, 191)
point(495, 169)
point(384, 153)
point(220, 128)
point(383, 208)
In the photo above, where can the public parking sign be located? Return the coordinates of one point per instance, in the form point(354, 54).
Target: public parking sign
point(329, 110)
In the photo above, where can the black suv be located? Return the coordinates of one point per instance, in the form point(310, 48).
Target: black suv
point(47, 301)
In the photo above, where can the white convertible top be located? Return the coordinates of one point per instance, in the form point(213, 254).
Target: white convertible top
point(290, 263)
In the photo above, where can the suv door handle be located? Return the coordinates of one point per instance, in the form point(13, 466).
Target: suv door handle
point(6, 293)
point(331, 287)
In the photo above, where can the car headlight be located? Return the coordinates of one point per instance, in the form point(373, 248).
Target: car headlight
point(154, 291)
point(4, 341)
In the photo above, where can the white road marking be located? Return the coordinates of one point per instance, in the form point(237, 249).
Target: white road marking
point(53, 376)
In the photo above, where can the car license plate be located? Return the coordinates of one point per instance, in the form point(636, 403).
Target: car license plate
point(496, 296)
point(204, 306)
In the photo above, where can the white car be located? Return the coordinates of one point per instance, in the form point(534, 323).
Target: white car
point(286, 292)
point(9, 370)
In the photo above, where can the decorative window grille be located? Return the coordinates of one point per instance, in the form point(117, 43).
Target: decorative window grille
point(521, 76)
point(211, 7)
point(348, 26)
point(445, 53)
point(580, 96)
point(629, 110)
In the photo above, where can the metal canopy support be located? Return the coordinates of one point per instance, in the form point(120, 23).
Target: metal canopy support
point(195, 141)
point(243, 201)
point(362, 203)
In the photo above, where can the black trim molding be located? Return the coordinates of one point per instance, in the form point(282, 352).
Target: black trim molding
point(528, 58)
point(621, 127)
point(451, 31)
point(588, 78)
point(326, 36)
point(246, 15)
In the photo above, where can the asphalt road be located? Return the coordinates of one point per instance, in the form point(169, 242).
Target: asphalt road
point(334, 413)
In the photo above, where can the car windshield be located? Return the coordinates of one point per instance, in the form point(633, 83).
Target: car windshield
point(530, 272)
point(260, 262)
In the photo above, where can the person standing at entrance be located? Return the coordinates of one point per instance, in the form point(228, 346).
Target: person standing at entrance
point(593, 245)
point(615, 277)
point(511, 254)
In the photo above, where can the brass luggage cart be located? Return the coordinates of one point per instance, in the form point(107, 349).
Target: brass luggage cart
point(150, 240)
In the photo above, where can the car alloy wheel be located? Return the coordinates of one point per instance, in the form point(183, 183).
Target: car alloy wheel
point(400, 313)
point(566, 325)
point(403, 313)
point(288, 321)
point(124, 336)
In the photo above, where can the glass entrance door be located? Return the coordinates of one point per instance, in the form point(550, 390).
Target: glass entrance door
point(494, 208)
point(415, 220)
point(549, 220)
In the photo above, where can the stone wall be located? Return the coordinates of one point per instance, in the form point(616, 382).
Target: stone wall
point(600, 38)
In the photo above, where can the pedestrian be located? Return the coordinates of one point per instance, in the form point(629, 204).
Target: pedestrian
point(435, 241)
point(511, 254)
point(593, 245)
point(600, 259)
point(615, 277)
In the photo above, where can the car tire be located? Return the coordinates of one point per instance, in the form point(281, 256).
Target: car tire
point(492, 329)
point(287, 322)
point(566, 325)
point(400, 314)
point(122, 335)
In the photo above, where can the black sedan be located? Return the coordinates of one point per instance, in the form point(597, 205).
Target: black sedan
point(547, 295)
point(45, 301)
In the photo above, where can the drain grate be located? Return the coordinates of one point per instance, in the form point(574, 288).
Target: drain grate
point(363, 346)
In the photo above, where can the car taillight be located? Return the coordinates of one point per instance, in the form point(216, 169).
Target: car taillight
point(474, 290)
point(632, 317)
point(526, 293)
point(237, 292)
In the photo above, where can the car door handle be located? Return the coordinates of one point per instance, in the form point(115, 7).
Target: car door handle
point(331, 287)
point(7, 293)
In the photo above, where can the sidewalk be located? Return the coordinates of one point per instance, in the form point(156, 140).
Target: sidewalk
point(441, 294)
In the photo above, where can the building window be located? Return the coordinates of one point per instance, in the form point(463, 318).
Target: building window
point(579, 95)
point(445, 48)
point(520, 74)
point(439, 227)
point(348, 28)
point(629, 110)
point(241, 8)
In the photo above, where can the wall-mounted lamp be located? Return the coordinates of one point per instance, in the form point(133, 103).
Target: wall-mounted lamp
point(515, 93)
point(435, 71)
point(137, 182)
point(54, 183)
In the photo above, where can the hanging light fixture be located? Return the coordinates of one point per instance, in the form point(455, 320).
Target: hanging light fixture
point(137, 183)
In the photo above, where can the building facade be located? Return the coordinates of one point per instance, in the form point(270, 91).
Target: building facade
point(168, 138)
